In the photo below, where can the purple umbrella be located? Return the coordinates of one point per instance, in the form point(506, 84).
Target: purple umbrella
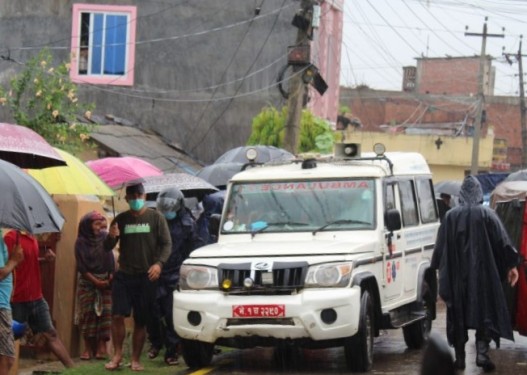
point(117, 171)
point(26, 149)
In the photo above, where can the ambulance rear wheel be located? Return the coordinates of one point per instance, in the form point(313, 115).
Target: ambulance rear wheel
point(416, 334)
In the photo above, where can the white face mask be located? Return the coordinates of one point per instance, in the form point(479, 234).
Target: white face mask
point(170, 215)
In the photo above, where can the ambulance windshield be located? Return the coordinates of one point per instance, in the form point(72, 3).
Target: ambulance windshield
point(300, 206)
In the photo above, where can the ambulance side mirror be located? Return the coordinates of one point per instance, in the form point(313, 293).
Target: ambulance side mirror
point(392, 219)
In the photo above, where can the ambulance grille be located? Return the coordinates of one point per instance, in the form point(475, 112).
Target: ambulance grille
point(287, 277)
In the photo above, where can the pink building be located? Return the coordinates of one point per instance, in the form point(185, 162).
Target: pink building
point(325, 54)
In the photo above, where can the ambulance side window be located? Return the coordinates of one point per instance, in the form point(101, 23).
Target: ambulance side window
point(427, 205)
point(408, 203)
point(389, 199)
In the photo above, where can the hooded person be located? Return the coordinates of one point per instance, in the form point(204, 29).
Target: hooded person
point(212, 205)
point(95, 267)
point(183, 232)
point(474, 255)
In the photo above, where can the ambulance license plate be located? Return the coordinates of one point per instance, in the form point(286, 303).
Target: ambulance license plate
point(258, 311)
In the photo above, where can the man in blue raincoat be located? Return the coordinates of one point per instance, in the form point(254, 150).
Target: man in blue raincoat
point(474, 255)
point(184, 235)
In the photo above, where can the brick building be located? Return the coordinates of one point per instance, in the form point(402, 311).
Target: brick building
point(439, 96)
point(450, 76)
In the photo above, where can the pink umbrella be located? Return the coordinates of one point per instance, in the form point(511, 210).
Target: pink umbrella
point(117, 171)
point(25, 148)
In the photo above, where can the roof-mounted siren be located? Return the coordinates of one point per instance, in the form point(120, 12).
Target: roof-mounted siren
point(347, 150)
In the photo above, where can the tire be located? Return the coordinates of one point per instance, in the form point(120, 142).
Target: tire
point(196, 353)
point(286, 356)
point(416, 334)
point(358, 349)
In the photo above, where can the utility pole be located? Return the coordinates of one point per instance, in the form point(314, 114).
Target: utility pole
point(523, 119)
point(297, 88)
point(481, 96)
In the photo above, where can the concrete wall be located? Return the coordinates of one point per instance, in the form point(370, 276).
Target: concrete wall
point(174, 91)
point(449, 162)
point(180, 68)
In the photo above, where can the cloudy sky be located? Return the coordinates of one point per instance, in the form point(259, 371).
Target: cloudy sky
point(382, 36)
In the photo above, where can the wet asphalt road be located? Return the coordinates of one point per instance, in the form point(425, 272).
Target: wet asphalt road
point(391, 357)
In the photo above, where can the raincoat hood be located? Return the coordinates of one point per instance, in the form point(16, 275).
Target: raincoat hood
point(85, 231)
point(471, 193)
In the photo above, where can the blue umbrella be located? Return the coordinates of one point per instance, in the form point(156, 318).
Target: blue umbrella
point(25, 204)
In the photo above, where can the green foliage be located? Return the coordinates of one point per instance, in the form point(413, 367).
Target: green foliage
point(43, 98)
point(344, 109)
point(268, 128)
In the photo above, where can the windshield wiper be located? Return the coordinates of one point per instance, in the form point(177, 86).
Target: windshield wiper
point(341, 221)
point(280, 223)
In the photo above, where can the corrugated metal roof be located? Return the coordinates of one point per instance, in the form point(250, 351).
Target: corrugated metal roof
point(121, 140)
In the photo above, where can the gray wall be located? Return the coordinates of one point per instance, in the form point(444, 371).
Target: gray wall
point(175, 71)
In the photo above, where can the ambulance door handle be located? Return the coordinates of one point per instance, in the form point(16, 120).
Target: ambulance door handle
point(398, 236)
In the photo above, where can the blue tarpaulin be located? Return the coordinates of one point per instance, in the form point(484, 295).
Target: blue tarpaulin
point(489, 181)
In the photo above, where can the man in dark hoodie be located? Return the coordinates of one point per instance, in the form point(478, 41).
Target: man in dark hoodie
point(474, 255)
point(184, 235)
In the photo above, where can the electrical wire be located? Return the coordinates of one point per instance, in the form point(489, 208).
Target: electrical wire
point(213, 124)
point(444, 10)
point(50, 43)
point(202, 115)
point(156, 40)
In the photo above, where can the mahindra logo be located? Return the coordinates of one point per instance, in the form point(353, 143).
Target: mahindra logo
point(262, 266)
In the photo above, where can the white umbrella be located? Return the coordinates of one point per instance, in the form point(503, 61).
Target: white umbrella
point(190, 186)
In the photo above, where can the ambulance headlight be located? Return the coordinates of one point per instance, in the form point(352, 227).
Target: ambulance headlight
point(336, 275)
point(198, 277)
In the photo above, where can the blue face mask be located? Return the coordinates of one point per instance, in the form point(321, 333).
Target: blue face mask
point(136, 204)
point(170, 215)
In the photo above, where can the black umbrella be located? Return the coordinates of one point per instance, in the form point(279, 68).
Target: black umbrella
point(219, 174)
point(25, 204)
point(450, 187)
point(264, 154)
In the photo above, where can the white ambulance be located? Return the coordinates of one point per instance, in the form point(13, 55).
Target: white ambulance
point(315, 253)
